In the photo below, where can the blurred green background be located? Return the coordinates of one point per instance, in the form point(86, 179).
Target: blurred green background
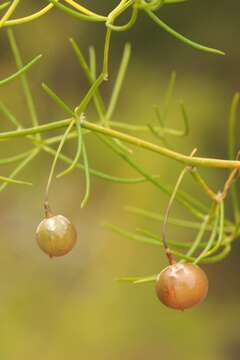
point(72, 307)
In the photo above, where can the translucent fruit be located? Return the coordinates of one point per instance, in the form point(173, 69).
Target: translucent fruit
point(56, 235)
point(181, 286)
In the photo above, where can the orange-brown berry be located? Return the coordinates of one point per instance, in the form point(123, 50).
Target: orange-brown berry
point(56, 235)
point(181, 286)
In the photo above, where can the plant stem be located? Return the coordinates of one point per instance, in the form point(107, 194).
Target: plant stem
point(9, 12)
point(166, 215)
point(195, 161)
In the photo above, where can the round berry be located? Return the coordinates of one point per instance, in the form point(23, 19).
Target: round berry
point(56, 235)
point(181, 286)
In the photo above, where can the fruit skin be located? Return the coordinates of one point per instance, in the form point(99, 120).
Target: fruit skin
point(56, 235)
point(181, 286)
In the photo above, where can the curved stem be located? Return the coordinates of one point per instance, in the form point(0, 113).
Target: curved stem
point(166, 215)
point(31, 17)
point(75, 13)
point(211, 238)
point(47, 208)
point(84, 10)
point(180, 37)
point(9, 12)
point(129, 24)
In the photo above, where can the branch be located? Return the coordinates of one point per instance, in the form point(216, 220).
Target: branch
point(196, 161)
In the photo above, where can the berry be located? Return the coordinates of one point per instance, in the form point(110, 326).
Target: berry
point(181, 286)
point(56, 235)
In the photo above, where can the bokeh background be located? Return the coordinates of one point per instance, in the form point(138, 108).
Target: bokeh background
point(72, 307)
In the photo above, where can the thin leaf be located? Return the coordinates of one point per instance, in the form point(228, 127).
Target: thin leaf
point(4, 5)
point(75, 13)
point(96, 97)
point(78, 153)
point(9, 12)
point(20, 167)
point(119, 81)
point(138, 279)
point(132, 236)
point(14, 181)
point(7, 113)
point(20, 71)
point(211, 238)
point(15, 158)
point(232, 130)
point(220, 232)
point(173, 221)
point(92, 62)
point(87, 177)
point(96, 173)
point(199, 237)
point(180, 37)
point(24, 81)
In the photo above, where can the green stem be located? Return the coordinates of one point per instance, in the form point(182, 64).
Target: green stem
point(232, 131)
point(29, 18)
point(9, 12)
point(180, 37)
point(20, 167)
point(211, 238)
point(140, 143)
point(20, 71)
point(24, 81)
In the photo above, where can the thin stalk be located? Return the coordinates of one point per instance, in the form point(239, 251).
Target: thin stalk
point(80, 108)
point(119, 81)
point(166, 215)
point(199, 237)
point(78, 153)
point(9, 12)
point(75, 13)
point(4, 5)
point(47, 208)
point(232, 130)
point(20, 167)
point(14, 181)
point(146, 239)
point(211, 238)
point(106, 53)
point(15, 158)
point(96, 97)
point(138, 279)
point(30, 18)
point(129, 24)
point(20, 71)
point(92, 62)
point(202, 183)
point(180, 37)
point(87, 177)
point(84, 10)
point(138, 142)
point(173, 221)
point(24, 81)
point(220, 233)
